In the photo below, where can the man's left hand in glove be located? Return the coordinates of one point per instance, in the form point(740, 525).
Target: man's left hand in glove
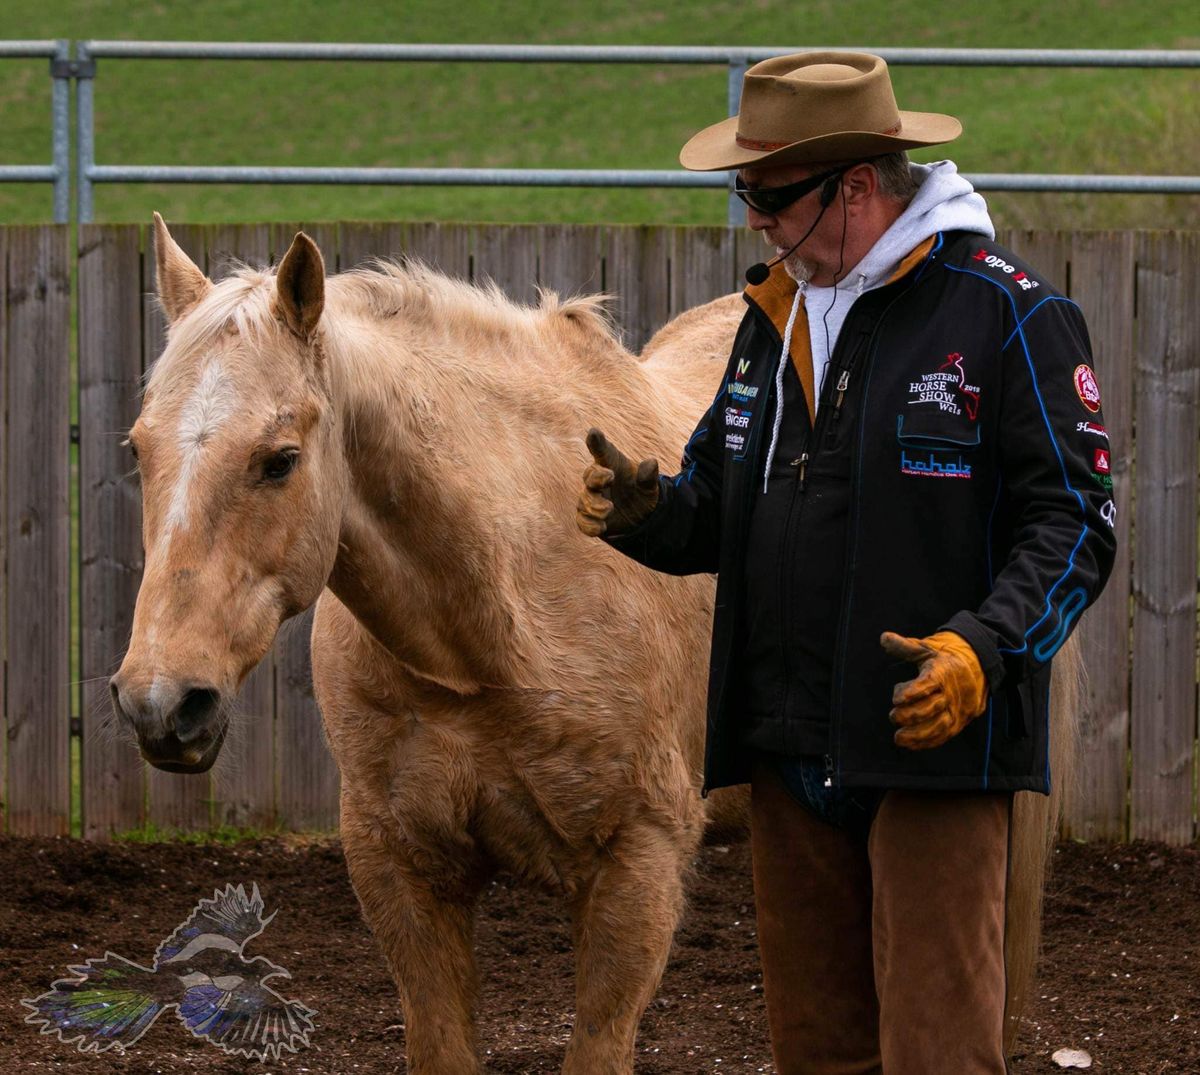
point(950, 689)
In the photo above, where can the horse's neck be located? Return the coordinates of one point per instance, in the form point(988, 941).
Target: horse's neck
point(417, 563)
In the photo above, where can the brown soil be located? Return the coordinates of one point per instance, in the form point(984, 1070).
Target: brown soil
point(1120, 977)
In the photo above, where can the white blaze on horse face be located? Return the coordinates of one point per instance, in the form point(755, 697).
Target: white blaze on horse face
point(209, 407)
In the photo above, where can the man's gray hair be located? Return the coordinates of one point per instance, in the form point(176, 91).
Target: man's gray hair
point(895, 177)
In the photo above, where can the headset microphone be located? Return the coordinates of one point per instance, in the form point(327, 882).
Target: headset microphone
point(758, 274)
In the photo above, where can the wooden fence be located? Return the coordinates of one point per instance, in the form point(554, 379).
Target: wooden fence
point(1140, 293)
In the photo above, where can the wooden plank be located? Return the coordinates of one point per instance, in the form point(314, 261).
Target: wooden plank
point(1102, 278)
point(445, 247)
point(308, 775)
point(231, 246)
point(243, 779)
point(362, 241)
point(1046, 251)
point(3, 527)
point(173, 800)
point(749, 248)
point(702, 266)
point(1164, 571)
point(569, 260)
point(38, 531)
point(637, 273)
point(507, 255)
point(110, 517)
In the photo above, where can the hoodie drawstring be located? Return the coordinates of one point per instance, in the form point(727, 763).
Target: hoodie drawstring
point(783, 360)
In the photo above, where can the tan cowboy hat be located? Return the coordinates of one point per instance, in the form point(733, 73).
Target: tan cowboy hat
point(815, 106)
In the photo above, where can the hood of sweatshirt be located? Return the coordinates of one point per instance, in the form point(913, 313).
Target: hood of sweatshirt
point(945, 201)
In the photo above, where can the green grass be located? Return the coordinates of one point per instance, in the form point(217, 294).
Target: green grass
point(504, 115)
point(222, 834)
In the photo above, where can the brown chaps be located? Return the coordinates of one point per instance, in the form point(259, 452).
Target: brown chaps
point(883, 951)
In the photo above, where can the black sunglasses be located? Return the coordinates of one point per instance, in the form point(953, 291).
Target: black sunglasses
point(773, 200)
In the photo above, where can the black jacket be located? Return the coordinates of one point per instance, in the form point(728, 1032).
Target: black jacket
point(980, 502)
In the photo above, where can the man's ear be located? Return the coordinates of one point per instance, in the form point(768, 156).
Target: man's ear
point(300, 286)
point(181, 284)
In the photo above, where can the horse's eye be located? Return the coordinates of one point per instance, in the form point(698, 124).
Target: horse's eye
point(131, 446)
point(278, 466)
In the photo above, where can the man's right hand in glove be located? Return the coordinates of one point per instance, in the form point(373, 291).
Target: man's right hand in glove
point(616, 495)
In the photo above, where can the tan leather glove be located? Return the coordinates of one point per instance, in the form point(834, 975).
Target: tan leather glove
point(616, 496)
point(949, 692)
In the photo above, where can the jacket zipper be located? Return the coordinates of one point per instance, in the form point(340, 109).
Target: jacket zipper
point(833, 758)
point(792, 521)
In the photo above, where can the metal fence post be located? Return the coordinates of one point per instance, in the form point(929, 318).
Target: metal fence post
point(85, 133)
point(61, 136)
point(737, 70)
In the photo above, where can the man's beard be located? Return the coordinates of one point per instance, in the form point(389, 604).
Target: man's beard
point(794, 264)
point(798, 269)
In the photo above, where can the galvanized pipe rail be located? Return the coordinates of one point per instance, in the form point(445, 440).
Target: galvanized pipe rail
point(58, 171)
point(735, 59)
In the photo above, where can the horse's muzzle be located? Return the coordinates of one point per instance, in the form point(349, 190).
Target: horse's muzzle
point(179, 728)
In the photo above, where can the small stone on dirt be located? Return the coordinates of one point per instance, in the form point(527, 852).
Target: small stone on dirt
point(1072, 1058)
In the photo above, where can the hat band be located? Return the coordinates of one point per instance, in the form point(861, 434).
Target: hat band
point(767, 147)
point(752, 143)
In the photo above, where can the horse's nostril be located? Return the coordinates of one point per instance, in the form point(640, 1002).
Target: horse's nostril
point(115, 690)
point(192, 717)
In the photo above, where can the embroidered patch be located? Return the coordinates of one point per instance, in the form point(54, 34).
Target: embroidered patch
point(743, 367)
point(1091, 427)
point(1086, 388)
point(735, 441)
point(741, 393)
point(1109, 513)
point(1101, 464)
point(920, 466)
point(994, 261)
point(947, 389)
point(736, 418)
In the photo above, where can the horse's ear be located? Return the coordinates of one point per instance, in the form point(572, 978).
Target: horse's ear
point(300, 286)
point(181, 285)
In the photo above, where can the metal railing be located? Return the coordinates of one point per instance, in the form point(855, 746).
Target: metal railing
point(735, 59)
point(58, 171)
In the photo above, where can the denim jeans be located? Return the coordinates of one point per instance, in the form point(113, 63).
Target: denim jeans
point(804, 777)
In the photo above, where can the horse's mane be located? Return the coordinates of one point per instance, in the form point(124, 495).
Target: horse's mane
point(408, 287)
point(384, 291)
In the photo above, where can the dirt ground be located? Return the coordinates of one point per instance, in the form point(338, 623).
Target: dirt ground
point(1120, 975)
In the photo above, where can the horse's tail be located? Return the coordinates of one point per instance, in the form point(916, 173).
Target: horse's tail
point(1034, 829)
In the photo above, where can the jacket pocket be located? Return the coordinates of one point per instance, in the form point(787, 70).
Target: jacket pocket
point(936, 430)
point(1018, 701)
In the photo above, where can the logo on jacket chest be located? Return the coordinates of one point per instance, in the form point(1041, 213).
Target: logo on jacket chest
point(929, 464)
point(737, 421)
point(946, 389)
point(741, 393)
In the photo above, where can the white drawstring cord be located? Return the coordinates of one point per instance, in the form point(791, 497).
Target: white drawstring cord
point(783, 360)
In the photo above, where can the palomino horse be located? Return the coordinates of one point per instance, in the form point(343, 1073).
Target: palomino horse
point(499, 691)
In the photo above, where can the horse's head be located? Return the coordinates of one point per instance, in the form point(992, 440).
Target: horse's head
point(243, 483)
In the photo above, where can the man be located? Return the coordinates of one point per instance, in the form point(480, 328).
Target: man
point(901, 485)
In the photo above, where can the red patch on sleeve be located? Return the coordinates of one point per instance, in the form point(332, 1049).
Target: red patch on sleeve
point(1086, 388)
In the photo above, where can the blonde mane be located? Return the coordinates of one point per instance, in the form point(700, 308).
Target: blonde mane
point(384, 291)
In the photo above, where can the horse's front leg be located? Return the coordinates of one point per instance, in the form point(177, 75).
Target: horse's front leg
point(624, 921)
point(426, 938)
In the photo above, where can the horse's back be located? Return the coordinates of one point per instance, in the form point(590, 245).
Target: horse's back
point(703, 333)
